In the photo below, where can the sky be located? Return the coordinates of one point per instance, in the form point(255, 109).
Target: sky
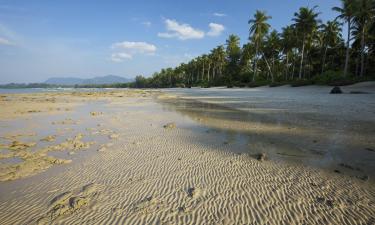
point(40, 39)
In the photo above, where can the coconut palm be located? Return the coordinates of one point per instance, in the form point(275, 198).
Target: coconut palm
point(364, 15)
point(233, 52)
point(288, 40)
point(331, 36)
point(272, 51)
point(258, 29)
point(306, 22)
point(347, 12)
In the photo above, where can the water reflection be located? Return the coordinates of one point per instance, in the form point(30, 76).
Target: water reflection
point(310, 139)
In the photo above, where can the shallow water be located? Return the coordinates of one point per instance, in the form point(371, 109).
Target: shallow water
point(78, 121)
point(342, 144)
point(47, 90)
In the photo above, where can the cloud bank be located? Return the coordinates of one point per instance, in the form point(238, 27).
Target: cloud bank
point(215, 29)
point(126, 50)
point(181, 31)
point(184, 31)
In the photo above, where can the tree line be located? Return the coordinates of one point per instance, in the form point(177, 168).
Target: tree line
point(306, 51)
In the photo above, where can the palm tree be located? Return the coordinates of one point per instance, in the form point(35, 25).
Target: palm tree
point(363, 15)
point(346, 11)
point(306, 23)
point(258, 29)
point(233, 52)
point(272, 51)
point(288, 40)
point(331, 36)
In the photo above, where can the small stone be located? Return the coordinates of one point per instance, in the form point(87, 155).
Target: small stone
point(181, 209)
point(190, 192)
point(102, 149)
point(261, 156)
point(170, 125)
point(114, 136)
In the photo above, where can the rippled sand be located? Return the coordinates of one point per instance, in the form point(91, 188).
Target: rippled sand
point(158, 166)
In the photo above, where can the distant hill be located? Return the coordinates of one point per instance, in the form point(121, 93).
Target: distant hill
point(109, 79)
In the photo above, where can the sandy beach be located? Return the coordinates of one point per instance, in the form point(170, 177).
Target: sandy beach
point(188, 156)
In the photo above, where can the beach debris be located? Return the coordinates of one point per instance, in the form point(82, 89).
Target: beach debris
point(49, 138)
point(95, 113)
point(325, 201)
point(67, 121)
point(336, 90)
point(261, 156)
point(170, 125)
point(181, 209)
point(190, 192)
point(193, 192)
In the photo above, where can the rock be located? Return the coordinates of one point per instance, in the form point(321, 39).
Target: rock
point(114, 136)
point(261, 156)
point(336, 90)
point(89, 189)
point(170, 125)
point(181, 209)
point(77, 202)
point(190, 192)
point(95, 113)
point(49, 138)
point(102, 149)
point(17, 145)
point(60, 199)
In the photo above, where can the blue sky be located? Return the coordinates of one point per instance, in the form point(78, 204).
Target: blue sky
point(42, 39)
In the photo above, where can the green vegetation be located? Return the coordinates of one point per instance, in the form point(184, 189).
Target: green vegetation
point(305, 52)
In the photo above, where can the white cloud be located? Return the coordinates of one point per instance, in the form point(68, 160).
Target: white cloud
point(181, 31)
point(146, 23)
point(135, 47)
point(219, 14)
point(127, 49)
point(215, 29)
point(4, 41)
point(120, 56)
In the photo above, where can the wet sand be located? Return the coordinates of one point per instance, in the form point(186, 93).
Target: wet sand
point(143, 157)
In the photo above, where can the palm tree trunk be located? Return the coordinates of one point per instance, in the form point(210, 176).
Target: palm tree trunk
point(202, 75)
point(208, 72)
point(255, 61)
point(301, 65)
point(324, 58)
point(269, 68)
point(347, 48)
point(363, 51)
point(287, 66)
point(293, 69)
